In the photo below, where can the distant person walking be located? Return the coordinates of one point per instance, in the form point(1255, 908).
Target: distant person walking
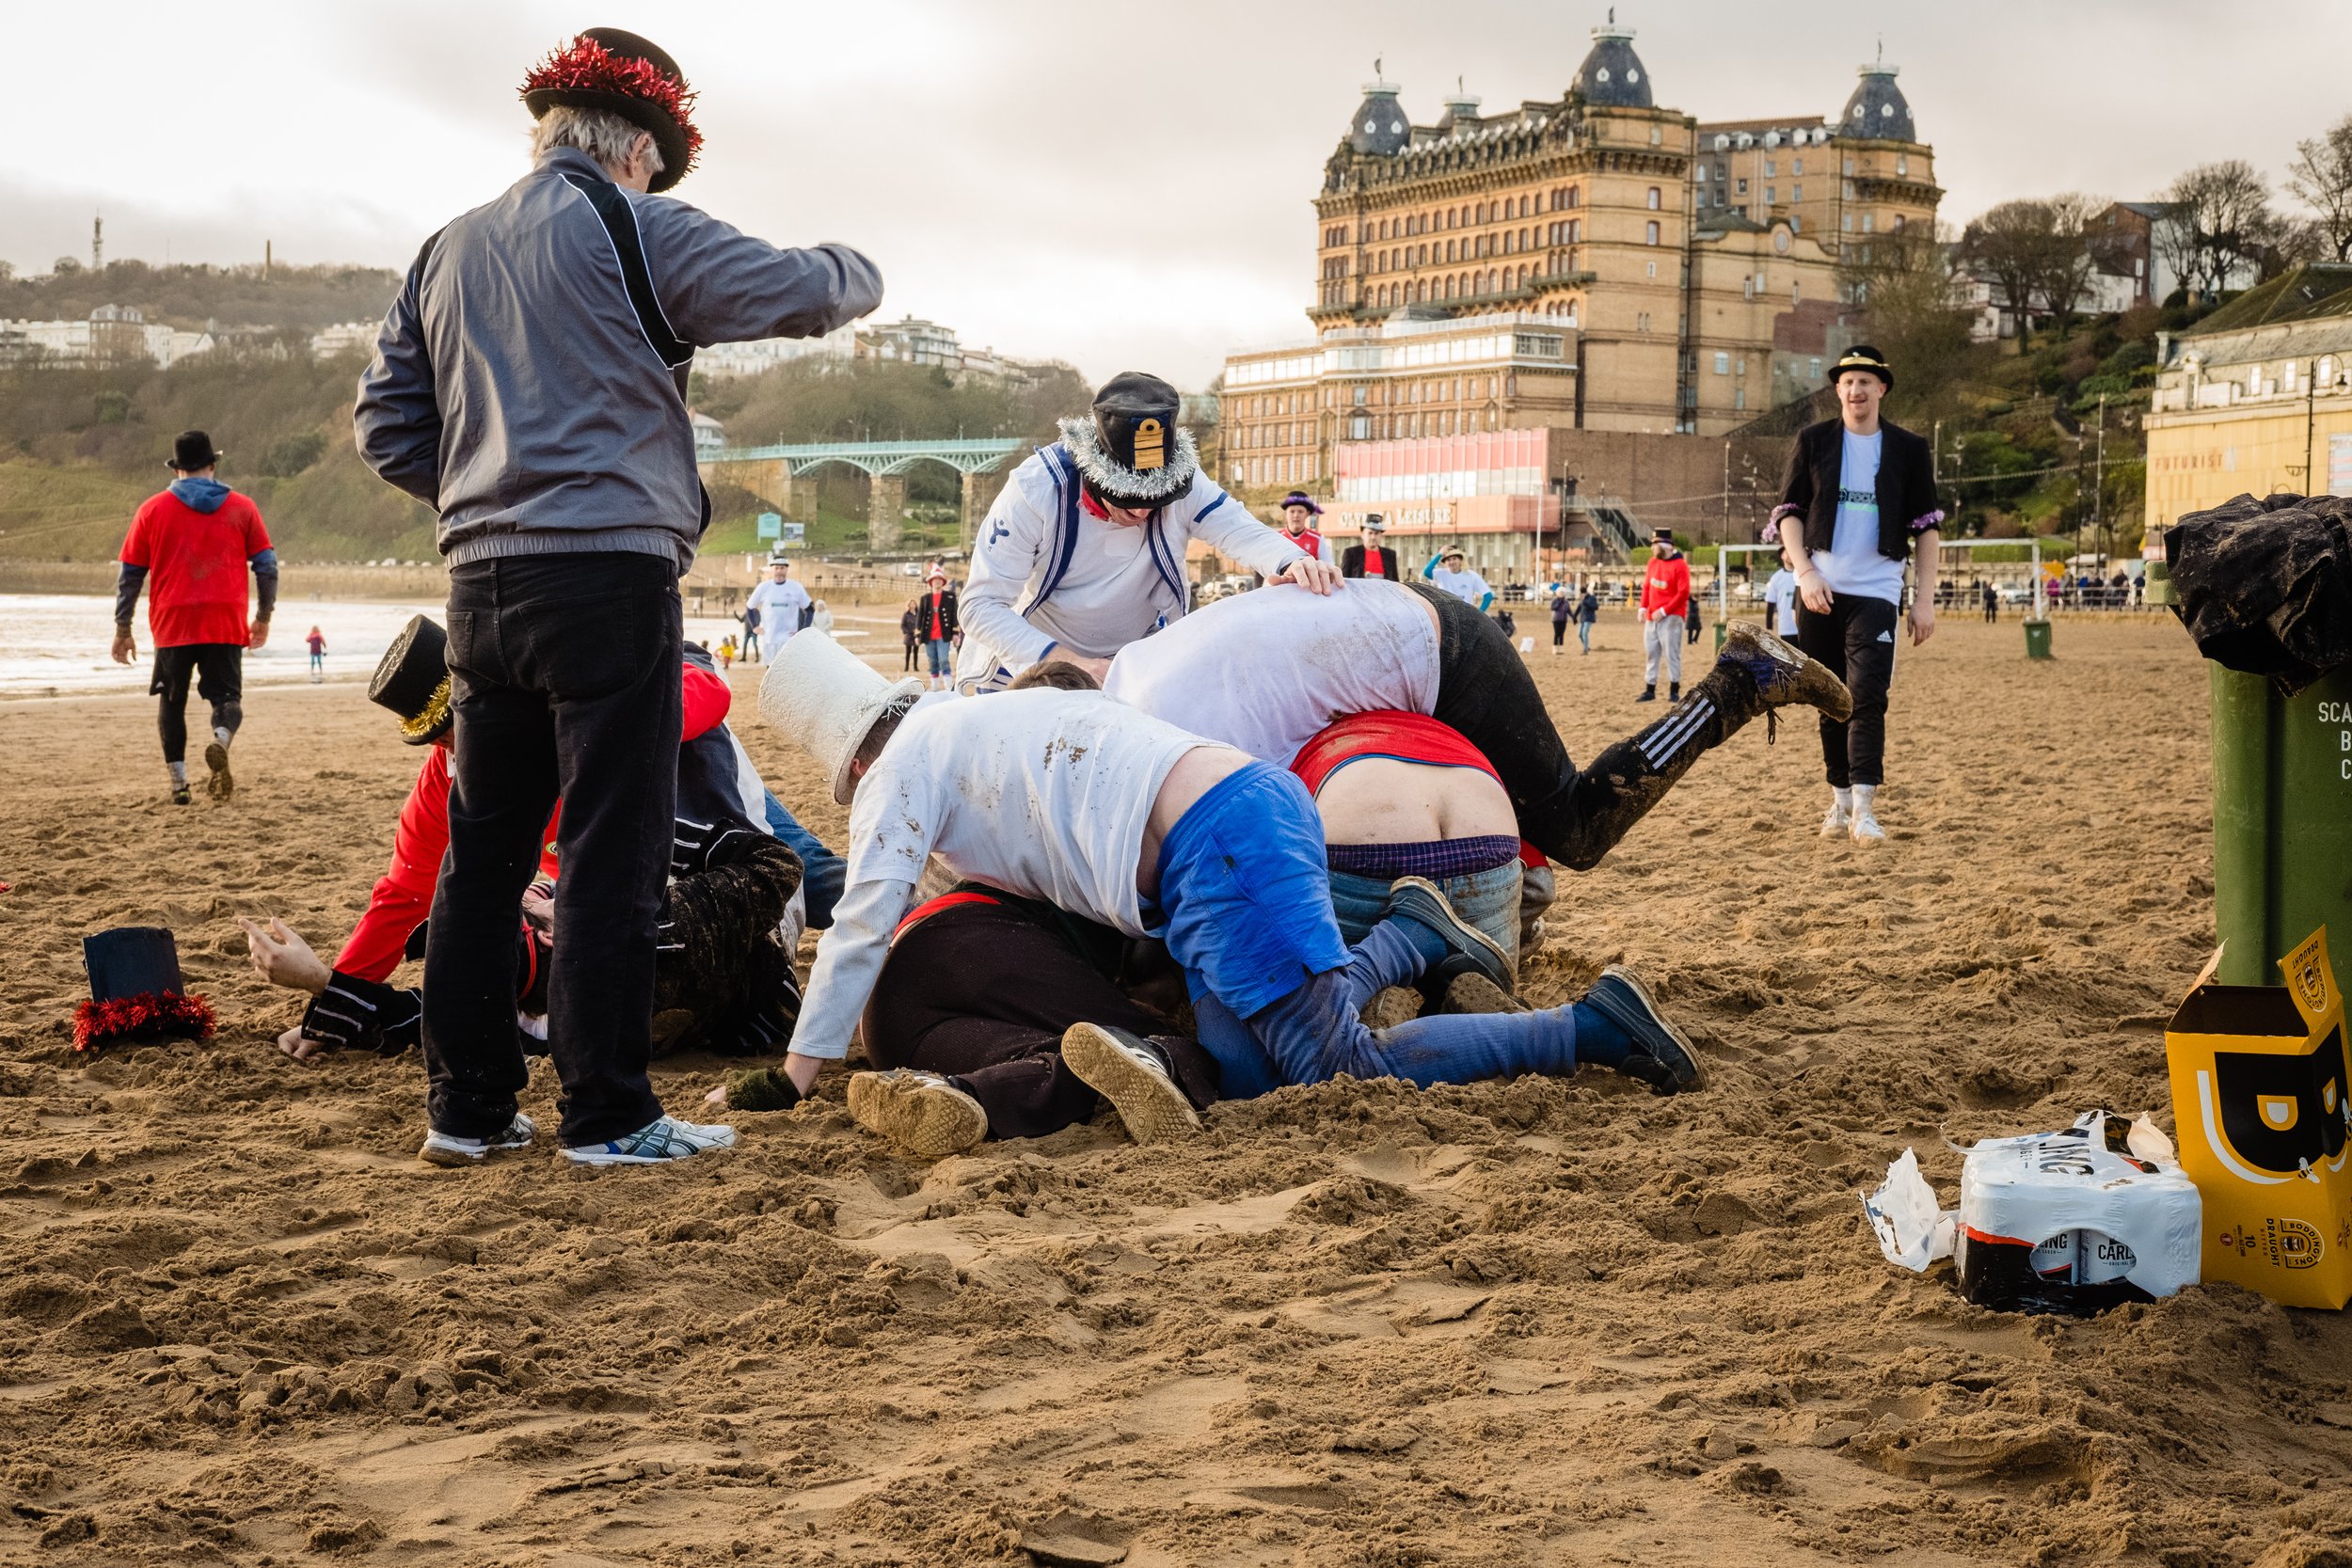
point(1665, 600)
point(528, 385)
point(1691, 630)
point(1860, 493)
point(1779, 598)
point(317, 639)
point(1561, 610)
point(935, 623)
point(1992, 604)
point(784, 606)
point(911, 632)
point(1587, 611)
point(197, 539)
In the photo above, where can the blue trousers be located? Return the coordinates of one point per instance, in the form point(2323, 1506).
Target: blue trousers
point(823, 874)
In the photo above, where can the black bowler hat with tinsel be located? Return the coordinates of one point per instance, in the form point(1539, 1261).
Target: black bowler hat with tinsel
point(621, 73)
point(1862, 357)
point(136, 991)
point(412, 679)
point(1130, 451)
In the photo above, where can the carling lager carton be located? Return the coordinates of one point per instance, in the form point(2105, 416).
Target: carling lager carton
point(2260, 1084)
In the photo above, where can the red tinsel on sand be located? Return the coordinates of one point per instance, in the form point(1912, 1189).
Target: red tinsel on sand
point(150, 1014)
point(586, 66)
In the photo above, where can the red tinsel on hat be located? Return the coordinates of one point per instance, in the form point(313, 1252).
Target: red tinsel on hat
point(150, 1015)
point(586, 66)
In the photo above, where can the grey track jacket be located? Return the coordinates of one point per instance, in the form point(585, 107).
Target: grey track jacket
point(527, 393)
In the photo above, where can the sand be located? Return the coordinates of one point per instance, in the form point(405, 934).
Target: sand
point(1507, 1324)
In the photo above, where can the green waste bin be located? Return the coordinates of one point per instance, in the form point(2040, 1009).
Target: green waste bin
point(2282, 820)
point(2037, 639)
point(1722, 631)
point(2158, 590)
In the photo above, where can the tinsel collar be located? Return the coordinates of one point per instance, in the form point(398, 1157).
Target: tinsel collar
point(586, 66)
point(1158, 486)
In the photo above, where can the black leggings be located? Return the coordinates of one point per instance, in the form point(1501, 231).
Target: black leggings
point(219, 669)
point(1486, 693)
point(1856, 640)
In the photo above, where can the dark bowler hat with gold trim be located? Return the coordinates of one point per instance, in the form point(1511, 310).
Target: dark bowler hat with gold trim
point(1130, 451)
point(1862, 357)
point(412, 679)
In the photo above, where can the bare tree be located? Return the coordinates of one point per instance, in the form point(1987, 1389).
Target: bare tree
point(2321, 178)
point(2012, 247)
point(1914, 311)
point(2069, 261)
point(2225, 210)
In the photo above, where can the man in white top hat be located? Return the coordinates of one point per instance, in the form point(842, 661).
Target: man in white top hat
point(1078, 799)
point(1084, 551)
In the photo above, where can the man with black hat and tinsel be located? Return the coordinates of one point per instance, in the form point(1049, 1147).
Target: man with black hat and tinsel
point(1859, 499)
point(528, 385)
point(191, 546)
point(1084, 551)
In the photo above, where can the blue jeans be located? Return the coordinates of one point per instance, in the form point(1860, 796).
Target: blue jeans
point(1584, 635)
point(1487, 899)
point(1316, 1032)
point(943, 656)
point(823, 874)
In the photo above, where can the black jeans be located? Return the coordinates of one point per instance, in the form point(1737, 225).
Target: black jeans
point(1575, 817)
point(564, 679)
point(220, 671)
point(1856, 640)
point(982, 994)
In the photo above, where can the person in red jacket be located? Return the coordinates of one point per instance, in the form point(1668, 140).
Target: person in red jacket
point(1665, 601)
point(197, 539)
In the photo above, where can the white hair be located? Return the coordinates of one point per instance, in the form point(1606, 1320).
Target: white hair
point(603, 136)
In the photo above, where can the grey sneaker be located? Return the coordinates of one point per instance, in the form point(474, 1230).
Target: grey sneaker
point(1662, 1056)
point(448, 1149)
point(1423, 902)
point(653, 1144)
point(1782, 673)
point(920, 1112)
point(1125, 1069)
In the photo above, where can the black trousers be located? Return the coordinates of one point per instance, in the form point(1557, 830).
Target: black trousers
point(1574, 816)
point(1856, 640)
point(564, 680)
point(220, 671)
point(983, 995)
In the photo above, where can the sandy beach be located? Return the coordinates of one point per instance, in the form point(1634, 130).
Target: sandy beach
point(1532, 1323)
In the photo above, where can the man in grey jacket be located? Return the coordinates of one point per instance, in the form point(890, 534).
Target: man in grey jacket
point(528, 385)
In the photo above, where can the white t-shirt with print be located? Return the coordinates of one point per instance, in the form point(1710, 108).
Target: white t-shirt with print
point(1781, 594)
point(1043, 793)
point(1264, 672)
point(779, 605)
point(1852, 564)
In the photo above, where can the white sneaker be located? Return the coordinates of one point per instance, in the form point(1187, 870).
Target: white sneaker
point(653, 1144)
point(448, 1149)
point(1865, 828)
point(1838, 822)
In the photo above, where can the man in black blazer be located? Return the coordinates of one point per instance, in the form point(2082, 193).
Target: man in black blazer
point(1370, 558)
point(1860, 495)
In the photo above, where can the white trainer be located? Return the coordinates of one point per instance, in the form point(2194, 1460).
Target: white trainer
point(1865, 828)
point(448, 1149)
point(1837, 822)
point(653, 1144)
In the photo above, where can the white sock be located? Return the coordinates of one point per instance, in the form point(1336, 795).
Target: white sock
point(1845, 800)
point(221, 733)
point(1862, 794)
point(179, 771)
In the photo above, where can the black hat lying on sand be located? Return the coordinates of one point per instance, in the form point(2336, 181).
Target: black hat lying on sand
point(135, 991)
point(412, 679)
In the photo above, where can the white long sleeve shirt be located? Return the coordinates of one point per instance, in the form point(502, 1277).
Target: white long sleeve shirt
point(1048, 575)
point(1042, 793)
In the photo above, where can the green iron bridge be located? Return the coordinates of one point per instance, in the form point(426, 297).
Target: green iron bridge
point(776, 473)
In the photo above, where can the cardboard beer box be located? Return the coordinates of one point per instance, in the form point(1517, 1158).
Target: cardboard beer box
point(2260, 1079)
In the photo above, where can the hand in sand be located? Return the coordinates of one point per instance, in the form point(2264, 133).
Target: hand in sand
point(124, 647)
point(1314, 576)
point(301, 1047)
point(284, 958)
point(801, 1070)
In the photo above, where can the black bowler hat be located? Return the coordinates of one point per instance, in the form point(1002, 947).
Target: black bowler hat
point(412, 679)
point(621, 73)
point(1131, 452)
point(194, 451)
point(136, 992)
point(1862, 357)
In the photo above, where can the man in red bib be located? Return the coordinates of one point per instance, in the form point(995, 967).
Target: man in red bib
point(197, 540)
point(1370, 559)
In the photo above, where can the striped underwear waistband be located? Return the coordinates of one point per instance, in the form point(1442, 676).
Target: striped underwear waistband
point(1436, 858)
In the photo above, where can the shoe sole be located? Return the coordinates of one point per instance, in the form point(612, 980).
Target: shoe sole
point(1658, 1016)
point(222, 784)
point(1810, 683)
point(1475, 994)
point(1505, 973)
point(1153, 1110)
point(933, 1121)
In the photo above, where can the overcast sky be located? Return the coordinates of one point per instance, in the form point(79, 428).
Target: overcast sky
point(1119, 185)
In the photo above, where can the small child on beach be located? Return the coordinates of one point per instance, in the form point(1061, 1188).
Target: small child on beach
point(318, 655)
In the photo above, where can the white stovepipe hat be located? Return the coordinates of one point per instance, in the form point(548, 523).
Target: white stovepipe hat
point(824, 699)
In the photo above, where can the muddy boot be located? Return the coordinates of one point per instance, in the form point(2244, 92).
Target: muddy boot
point(1779, 674)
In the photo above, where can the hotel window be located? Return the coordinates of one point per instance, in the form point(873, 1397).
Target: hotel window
point(1771, 194)
point(1654, 196)
point(1722, 364)
point(1796, 166)
point(1869, 222)
point(1743, 184)
point(1740, 397)
point(1652, 231)
point(1850, 166)
point(1771, 168)
point(1846, 223)
point(1903, 163)
point(1796, 223)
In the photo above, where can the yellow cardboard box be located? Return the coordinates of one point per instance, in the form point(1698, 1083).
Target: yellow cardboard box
point(2260, 1080)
